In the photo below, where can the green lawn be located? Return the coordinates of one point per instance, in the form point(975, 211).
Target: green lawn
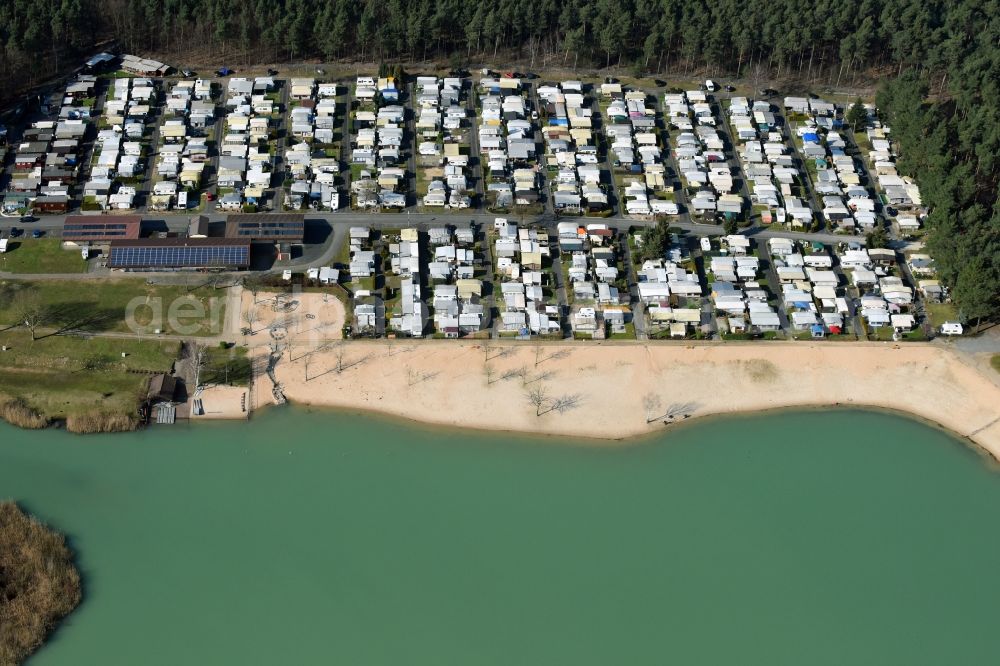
point(995, 362)
point(629, 333)
point(343, 256)
point(226, 366)
point(356, 170)
point(864, 145)
point(44, 255)
point(64, 375)
point(940, 313)
point(115, 306)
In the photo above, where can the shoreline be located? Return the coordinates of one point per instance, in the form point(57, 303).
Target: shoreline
point(634, 440)
point(615, 391)
point(446, 384)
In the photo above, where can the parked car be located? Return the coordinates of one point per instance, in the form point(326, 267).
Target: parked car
point(188, 73)
point(769, 92)
point(209, 196)
point(15, 232)
point(37, 233)
point(730, 88)
point(272, 72)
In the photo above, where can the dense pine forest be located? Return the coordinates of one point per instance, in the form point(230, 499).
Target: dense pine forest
point(940, 62)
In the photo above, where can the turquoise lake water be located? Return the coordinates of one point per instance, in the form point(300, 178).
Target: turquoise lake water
point(827, 537)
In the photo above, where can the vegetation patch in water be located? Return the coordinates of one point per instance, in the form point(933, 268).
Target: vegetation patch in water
point(39, 584)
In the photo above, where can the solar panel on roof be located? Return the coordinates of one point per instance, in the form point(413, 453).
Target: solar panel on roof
point(212, 255)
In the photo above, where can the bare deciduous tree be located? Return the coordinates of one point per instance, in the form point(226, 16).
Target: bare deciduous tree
point(538, 397)
point(339, 353)
point(415, 377)
point(540, 357)
point(198, 361)
point(30, 311)
point(251, 316)
point(499, 351)
point(253, 285)
point(541, 377)
point(512, 373)
point(651, 403)
point(490, 372)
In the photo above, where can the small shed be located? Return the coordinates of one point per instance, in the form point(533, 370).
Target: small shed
point(162, 388)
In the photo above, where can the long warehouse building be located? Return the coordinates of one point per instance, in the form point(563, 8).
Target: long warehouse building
point(166, 254)
point(100, 229)
point(280, 228)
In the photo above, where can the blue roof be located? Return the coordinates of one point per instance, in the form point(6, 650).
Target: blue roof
point(176, 256)
point(812, 137)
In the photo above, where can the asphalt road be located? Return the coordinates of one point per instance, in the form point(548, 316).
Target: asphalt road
point(52, 224)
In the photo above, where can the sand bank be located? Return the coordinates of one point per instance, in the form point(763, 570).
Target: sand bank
point(299, 318)
point(223, 402)
point(615, 391)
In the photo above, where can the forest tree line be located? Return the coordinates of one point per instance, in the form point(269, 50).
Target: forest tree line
point(941, 62)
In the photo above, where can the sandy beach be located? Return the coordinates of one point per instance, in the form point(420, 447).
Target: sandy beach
point(616, 391)
point(609, 391)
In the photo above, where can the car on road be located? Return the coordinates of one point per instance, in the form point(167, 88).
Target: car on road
point(37, 233)
point(209, 196)
point(28, 218)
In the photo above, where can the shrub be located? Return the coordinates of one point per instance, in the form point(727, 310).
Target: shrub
point(101, 422)
point(18, 412)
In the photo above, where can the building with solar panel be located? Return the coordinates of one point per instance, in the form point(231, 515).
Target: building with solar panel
point(277, 228)
point(172, 254)
point(95, 230)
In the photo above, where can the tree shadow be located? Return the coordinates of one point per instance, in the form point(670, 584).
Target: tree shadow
point(678, 409)
point(66, 318)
